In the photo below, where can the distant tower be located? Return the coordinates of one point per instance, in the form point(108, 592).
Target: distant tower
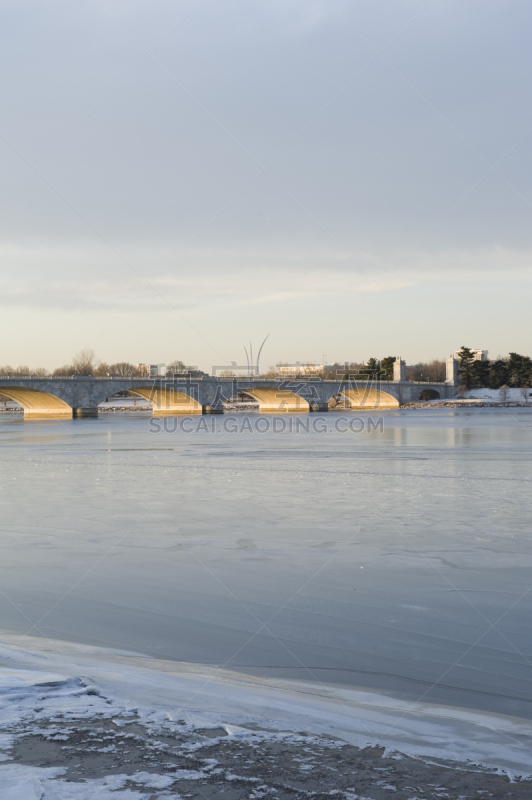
point(451, 374)
point(399, 373)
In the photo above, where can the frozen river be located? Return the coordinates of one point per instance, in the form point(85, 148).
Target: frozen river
point(397, 560)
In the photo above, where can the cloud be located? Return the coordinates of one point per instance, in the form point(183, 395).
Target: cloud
point(377, 175)
point(92, 278)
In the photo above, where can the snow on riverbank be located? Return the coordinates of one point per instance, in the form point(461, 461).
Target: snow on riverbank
point(476, 398)
point(497, 396)
point(78, 722)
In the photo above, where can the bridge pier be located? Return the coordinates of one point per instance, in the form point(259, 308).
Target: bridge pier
point(82, 413)
point(318, 406)
point(214, 409)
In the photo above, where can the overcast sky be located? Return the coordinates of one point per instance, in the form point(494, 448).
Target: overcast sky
point(178, 178)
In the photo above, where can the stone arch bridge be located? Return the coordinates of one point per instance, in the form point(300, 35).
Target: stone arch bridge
point(81, 396)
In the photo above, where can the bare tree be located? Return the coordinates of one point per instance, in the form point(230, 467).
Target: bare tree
point(435, 371)
point(503, 392)
point(102, 370)
point(337, 371)
point(415, 372)
point(37, 372)
point(65, 371)
point(175, 368)
point(123, 369)
point(525, 391)
point(83, 362)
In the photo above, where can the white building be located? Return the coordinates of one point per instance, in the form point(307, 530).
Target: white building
point(152, 370)
point(310, 370)
point(480, 355)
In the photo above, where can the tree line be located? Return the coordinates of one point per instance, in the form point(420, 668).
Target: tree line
point(85, 364)
point(516, 370)
point(382, 369)
point(512, 371)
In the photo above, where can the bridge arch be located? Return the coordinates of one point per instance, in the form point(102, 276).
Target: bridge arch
point(429, 394)
point(36, 403)
point(273, 400)
point(167, 400)
point(369, 398)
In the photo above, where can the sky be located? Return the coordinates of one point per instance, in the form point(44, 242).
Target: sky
point(178, 178)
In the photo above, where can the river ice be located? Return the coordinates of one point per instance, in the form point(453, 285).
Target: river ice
point(396, 561)
point(78, 722)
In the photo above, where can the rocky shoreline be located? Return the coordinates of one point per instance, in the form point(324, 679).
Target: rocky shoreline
point(67, 738)
point(236, 408)
point(467, 404)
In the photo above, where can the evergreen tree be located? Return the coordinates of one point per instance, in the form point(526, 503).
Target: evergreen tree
point(501, 370)
point(370, 371)
point(387, 368)
point(526, 371)
point(480, 371)
point(467, 359)
point(519, 370)
point(494, 379)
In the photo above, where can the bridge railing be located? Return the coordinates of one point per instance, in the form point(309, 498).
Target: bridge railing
point(302, 379)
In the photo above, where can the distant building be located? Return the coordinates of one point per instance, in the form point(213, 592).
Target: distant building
point(309, 370)
point(185, 372)
point(480, 355)
point(233, 370)
point(157, 370)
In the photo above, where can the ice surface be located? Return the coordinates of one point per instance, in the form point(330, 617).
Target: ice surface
point(394, 565)
point(90, 681)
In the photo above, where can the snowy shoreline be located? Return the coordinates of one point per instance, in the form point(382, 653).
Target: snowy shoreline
point(469, 403)
point(70, 712)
